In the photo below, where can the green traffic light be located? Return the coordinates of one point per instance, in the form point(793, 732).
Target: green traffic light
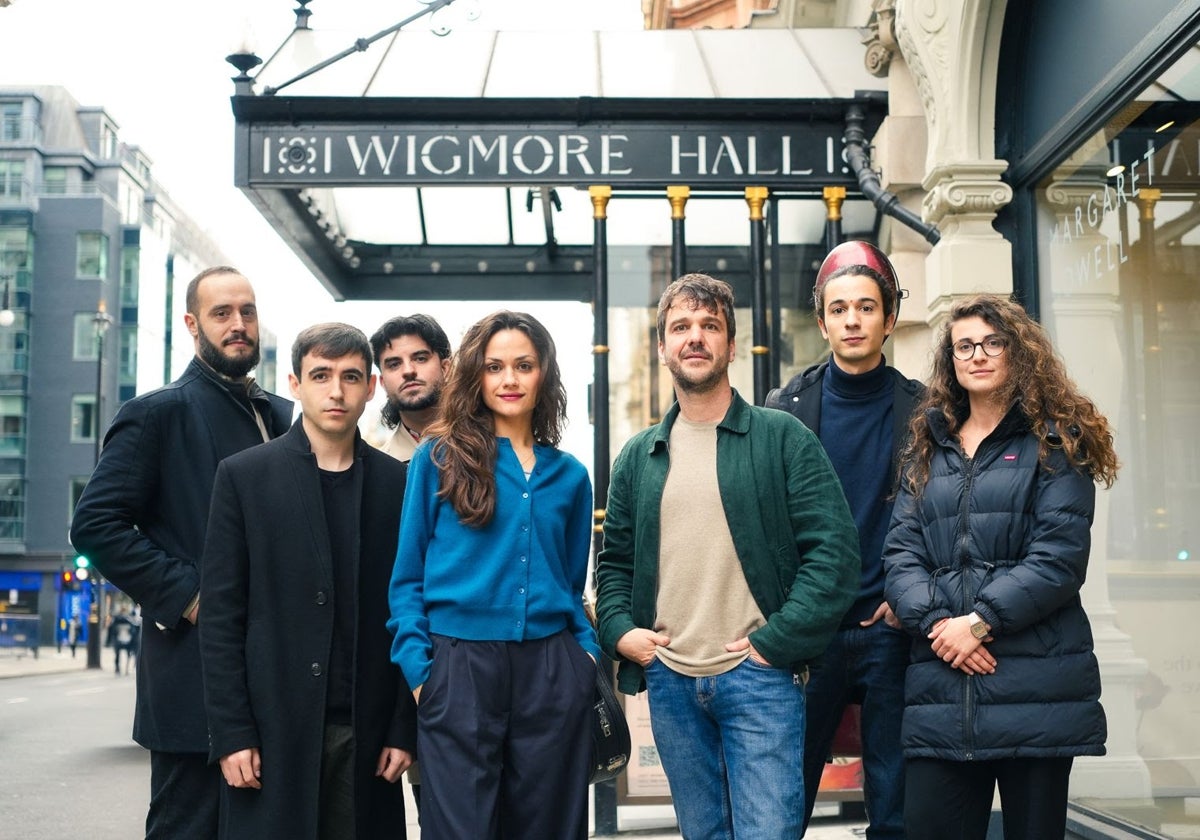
point(81, 562)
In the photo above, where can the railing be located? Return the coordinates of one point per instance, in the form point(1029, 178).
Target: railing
point(19, 633)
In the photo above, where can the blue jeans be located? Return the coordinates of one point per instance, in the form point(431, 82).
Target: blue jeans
point(863, 665)
point(732, 747)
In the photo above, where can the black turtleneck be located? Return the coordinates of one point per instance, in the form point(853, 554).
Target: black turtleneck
point(856, 431)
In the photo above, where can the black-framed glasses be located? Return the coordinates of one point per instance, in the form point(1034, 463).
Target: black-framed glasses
point(993, 346)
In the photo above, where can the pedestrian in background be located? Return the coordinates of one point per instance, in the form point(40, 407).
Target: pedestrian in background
point(311, 724)
point(141, 522)
point(986, 554)
point(122, 637)
point(487, 597)
point(729, 558)
point(859, 408)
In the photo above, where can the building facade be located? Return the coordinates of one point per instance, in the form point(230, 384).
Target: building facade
point(1056, 146)
point(94, 261)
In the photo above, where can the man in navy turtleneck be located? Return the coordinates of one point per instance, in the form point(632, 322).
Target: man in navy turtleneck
point(859, 408)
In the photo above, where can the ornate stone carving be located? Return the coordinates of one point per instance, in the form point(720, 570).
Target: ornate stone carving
point(881, 37)
point(967, 189)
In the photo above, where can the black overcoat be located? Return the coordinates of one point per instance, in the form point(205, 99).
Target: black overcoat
point(266, 630)
point(141, 522)
point(1008, 537)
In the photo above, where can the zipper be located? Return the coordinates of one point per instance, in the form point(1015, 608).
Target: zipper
point(962, 543)
point(968, 716)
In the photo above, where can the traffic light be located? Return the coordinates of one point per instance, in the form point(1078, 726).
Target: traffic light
point(67, 579)
point(82, 562)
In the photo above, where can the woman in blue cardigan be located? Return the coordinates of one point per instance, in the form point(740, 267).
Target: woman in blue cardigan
point(985, 557)
point(487, 597)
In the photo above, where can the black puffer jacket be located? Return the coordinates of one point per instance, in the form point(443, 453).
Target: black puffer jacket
point(1009, 539)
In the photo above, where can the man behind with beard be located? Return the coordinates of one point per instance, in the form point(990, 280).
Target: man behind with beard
point(141, 521)
point(413, 356)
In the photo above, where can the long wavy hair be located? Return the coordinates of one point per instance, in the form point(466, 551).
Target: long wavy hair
point(464, 447)
point(1037, 381)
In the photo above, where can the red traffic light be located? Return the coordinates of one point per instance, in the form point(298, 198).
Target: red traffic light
point(68, 578)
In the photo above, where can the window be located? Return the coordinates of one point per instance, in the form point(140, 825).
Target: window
point(54, 180)
point(12, 174)
point(130, 268)
point(108, 141)
point(127, 373)
point(12, 507)
point(91, 255)
point(74, 491)
point(10, 120)
point(83, 418)
point(12, 426)
point(85, 344)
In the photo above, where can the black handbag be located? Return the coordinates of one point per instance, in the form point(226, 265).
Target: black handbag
point(610, 731)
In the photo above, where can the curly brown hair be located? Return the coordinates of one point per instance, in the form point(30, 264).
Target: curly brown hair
point(464, 447)
point(1037, 381)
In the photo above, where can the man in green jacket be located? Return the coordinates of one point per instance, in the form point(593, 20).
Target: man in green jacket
point(729, 558)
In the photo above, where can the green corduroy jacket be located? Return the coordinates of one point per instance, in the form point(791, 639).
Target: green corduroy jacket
point(792, 529)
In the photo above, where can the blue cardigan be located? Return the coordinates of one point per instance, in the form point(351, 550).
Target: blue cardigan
point(519, 577)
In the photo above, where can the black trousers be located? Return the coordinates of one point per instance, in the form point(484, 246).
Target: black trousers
point(952, 800)
point(502, 732)
point(184, 794)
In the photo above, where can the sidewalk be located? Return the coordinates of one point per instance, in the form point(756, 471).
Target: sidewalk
point(22, 662)
point(637, 823)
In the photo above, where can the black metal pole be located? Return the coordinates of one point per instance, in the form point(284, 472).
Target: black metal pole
point(604, 793)
point(678, 196)
point(833, 198)
point(101, 320)
point(776, 309)
point(756, 197)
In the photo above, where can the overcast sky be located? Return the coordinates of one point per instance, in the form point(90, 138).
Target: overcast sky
point(157, 67)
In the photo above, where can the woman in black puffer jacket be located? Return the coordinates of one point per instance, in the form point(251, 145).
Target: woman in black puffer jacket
point(986, 553)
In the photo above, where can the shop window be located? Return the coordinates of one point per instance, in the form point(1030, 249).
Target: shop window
point(1118, 258)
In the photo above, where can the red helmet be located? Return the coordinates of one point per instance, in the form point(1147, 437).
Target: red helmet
point(857, 253)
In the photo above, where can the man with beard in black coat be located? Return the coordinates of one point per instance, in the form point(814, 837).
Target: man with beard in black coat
point(141, 522)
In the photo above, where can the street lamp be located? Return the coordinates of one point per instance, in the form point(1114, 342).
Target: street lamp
point(102, 321)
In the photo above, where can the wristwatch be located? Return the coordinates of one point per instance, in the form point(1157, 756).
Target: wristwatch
point(979, 627)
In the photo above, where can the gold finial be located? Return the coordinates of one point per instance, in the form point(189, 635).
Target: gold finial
point(600, 196)
point(833, 198)
point(756, 197)
point(678, 196)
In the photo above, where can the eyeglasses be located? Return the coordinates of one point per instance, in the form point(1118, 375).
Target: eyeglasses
point(993, 345)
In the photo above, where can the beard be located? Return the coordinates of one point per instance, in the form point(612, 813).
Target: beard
point(697, 383)
point(233, 367)
point(395, 406)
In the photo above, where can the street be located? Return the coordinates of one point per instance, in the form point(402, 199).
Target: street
point(70, 766)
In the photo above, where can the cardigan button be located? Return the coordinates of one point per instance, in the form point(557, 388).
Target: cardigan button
point(316, 669)
point(321, 599)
